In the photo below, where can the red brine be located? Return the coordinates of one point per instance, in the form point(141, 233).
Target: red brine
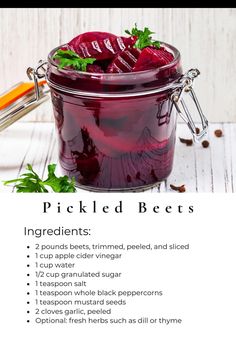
point(116, 131)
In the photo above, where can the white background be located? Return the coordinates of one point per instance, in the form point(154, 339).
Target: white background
point(198, 286)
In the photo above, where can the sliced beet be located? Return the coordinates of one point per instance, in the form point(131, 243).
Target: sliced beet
point(90, 36)
point(125, 61)
point(100, 45)
point(151, 58)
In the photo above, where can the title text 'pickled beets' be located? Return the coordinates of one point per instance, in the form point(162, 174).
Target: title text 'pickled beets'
point(111, 98)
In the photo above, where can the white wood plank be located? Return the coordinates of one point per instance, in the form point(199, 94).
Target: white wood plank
point(27, 35)
point(15, 142)
point(114, 23)
point(71, 24)
point(202, 170)
point(203, 166)
point(96, 19)
point(228, 150)
point(217, 160)
point(26, 143)
point(38, 151)
point(184, 168)
point(233, 156)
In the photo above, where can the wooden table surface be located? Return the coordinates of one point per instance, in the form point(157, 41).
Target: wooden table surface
point(211, 169)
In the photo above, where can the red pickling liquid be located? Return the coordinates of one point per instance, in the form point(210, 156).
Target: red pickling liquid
point(115, 143)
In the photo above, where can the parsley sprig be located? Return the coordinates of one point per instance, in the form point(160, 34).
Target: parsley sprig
point(31, 182)
point(144, 37)
point(70, 58)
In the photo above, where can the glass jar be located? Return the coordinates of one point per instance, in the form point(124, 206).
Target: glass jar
point(117, 132)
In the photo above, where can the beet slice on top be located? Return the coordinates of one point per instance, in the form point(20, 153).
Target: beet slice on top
point(100, 45)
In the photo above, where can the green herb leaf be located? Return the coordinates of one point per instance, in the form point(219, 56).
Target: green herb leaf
point(31, 182)
point(70, 58)
point(59, 184)
point(144, 37)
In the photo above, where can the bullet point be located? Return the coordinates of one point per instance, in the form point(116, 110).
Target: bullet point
point(28, 321)
point(28, 265)
point(28, 247)
point(28, 311)
point(28, 293)
point(28, 302)
point(28, 274)
point(28, 284)
point(28, 256)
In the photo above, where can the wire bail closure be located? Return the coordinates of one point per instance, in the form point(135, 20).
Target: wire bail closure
point(187, 81)
point(38, 73)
